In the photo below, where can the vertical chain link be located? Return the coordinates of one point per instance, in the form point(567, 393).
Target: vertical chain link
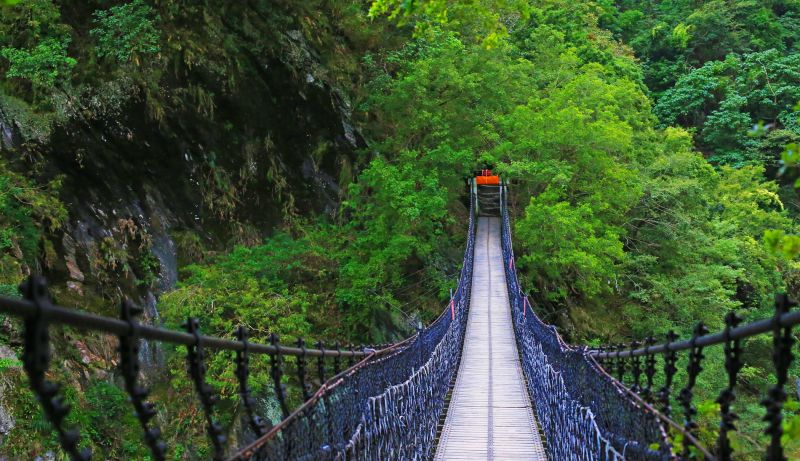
point(276, 370)
point(302, 370)
point(620, 364)
point(649, 369)
point(733, 363)
point(257, 424)
point(686, 394)
point(321, 363)
point(670, 360)
point(130, 367)
point(636, 368)
point(352, 359)
point(197, 371)
point(36, 361)
point(337, 360)
point(782, 341)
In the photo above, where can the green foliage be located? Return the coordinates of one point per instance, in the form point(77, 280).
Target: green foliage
point(719, 67)
point(615, 213)
point(266, 287)
point(126, 32)
point(147, 268)
point(27, 212)
point(780, 243)
point(34, 43)
point(107, 421)
point(569, 246)
point(485, 20)
point(677, 35)
point(400, 212)
point(9, 290)
point(724, 99)
point(6, 364)
point(44, 66)
point(615, 216)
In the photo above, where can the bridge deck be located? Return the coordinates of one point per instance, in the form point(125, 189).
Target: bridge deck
point(490, 414)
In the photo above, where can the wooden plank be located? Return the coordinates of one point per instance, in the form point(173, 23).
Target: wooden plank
point(490, 414)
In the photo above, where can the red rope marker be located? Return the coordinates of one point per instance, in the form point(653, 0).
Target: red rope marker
point(452, 309)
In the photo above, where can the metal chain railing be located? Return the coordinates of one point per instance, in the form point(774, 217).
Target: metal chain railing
point(780, 326)
point(585, 414)
point(39, 314)
point(387, 403)
point(386, 408)
point(383, 406)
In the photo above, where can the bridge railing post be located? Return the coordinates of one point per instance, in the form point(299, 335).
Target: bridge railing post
point(321, 362)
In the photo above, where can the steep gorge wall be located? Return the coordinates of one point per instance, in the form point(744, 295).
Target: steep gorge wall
point(155, 179)
point(274, 147)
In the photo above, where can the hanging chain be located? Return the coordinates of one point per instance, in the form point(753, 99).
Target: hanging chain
point(733, 363)
point(649, 369)
point(321, 363)
point(686, 394)
point(337, 360)
point(670, 359)
point(301, 370)
point(257, 423)
point(620, 364)
point(36, 360)
point(636, 367)
point(276, 370)
point(195, 358)
point(351, 361)
point(782, 341)
point(129, 344)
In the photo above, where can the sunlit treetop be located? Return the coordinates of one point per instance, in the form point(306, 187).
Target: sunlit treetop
point(485, 21)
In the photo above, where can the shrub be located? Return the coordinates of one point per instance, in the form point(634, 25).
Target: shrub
point(125, 31)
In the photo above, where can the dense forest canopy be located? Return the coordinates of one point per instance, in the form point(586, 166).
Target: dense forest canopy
point(651, 149)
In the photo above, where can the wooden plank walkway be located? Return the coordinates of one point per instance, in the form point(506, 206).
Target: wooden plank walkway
point(490, 415)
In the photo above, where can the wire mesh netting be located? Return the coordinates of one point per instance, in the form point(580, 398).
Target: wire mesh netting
point(585, 414)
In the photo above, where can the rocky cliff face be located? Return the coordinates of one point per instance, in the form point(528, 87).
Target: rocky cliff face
point(236, 127)
point(274, 147)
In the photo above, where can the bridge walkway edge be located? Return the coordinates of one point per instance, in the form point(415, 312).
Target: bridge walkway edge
point(490, 415)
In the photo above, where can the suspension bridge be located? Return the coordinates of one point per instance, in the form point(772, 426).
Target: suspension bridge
point(486, 380)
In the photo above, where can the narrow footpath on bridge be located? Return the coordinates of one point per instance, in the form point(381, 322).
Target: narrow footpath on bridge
point(490, 415)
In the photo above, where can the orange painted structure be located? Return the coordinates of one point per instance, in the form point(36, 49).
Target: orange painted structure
point(486, 178)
